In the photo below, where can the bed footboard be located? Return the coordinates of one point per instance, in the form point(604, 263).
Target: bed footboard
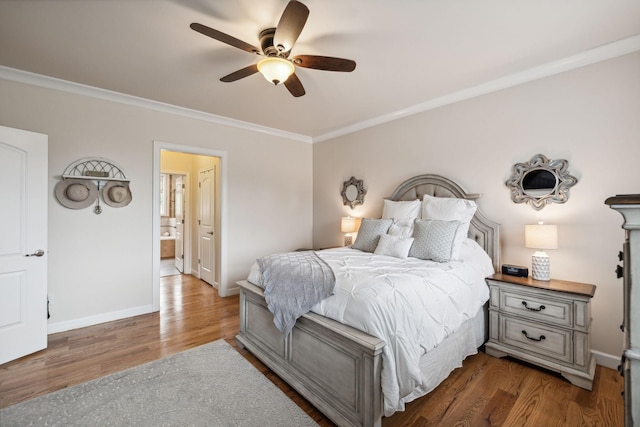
point(335, 367)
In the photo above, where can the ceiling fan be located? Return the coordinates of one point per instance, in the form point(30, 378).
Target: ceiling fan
point(275, 46)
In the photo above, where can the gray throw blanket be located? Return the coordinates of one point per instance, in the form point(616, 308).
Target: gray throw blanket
point(293, 283)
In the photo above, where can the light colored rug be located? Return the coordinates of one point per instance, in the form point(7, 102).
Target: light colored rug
point(210, 385)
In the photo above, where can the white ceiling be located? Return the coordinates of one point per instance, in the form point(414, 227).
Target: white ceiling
point(407, 52)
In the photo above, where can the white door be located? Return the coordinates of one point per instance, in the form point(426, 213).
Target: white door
point(206, 238)
point(178, 190)
point(23, 243)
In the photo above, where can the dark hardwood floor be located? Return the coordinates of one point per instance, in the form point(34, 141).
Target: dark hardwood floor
point(485, 392)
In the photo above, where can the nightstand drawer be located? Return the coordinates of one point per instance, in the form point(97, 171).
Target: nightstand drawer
point(522, 311)
point(544, 340)
point(537, 307)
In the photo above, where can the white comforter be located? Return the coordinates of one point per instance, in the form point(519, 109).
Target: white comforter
point(411, 304)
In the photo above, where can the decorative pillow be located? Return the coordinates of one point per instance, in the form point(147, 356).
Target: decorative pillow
point(394, 246)
point(369, 233)
point(450, 209)
point(434, 239)
point(401, 209)
point(401, 228)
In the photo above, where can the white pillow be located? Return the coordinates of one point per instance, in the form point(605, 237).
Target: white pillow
point(401, 228)
point(401, 209)
point(450, 209)
point(394, 246)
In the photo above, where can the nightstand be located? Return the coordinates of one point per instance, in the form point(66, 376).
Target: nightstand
point(544, 323)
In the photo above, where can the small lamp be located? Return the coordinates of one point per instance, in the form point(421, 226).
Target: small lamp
point(348, 225)
point(541, 236)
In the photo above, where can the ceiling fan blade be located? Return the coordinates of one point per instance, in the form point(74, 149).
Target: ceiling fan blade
point(224, 38)
point(240, 74)
point(294, 85)
point(290, 26)
point(326, 63)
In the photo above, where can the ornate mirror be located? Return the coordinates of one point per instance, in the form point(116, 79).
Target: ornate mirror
point(353, 192)
point(541, 181)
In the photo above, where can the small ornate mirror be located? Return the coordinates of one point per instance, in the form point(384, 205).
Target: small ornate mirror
point(353, 192)
point(541, 181)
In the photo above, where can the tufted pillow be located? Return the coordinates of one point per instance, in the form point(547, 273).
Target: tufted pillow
point(434, 239)
point(370, 232)
point(450, 209)
point(401, 227)
point(394, 246)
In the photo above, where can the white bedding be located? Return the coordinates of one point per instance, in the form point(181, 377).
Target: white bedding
point(412, 304)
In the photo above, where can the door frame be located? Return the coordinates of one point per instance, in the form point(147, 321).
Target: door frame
point(158, 146)
point(186, 240)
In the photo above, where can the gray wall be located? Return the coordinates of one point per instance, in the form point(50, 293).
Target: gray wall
point(589, 116)
point(100, 266)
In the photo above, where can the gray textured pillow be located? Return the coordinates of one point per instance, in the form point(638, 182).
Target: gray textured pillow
point(433, 239)
point(369, 233)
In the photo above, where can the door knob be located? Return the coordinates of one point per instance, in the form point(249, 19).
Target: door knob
point(210, 233)
point(38, 253)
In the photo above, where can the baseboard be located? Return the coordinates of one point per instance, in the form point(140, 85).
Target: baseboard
point(607, 360)
point(68, 325)
point(231, 290)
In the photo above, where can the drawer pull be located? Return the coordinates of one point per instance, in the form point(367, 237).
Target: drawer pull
point(542, 307)
point(532, 339)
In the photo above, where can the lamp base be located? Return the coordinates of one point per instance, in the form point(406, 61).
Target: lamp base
point(540, 266)
point(348, 240)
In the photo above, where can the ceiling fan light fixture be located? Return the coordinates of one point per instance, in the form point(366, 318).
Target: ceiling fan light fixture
point(275, 70)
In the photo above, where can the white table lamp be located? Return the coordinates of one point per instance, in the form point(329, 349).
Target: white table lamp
point(541, 236)
point(348, 225)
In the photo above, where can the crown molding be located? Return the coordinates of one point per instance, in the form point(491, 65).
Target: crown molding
point(588, 57)
point(34, 79)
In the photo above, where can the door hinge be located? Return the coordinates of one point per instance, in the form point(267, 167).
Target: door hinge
point(198, 261)
point(198, 222)
point(182, 256)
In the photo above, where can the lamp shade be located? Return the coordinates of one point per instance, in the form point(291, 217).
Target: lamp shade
point(348, 224)
point(275, 70)
point(541, 236)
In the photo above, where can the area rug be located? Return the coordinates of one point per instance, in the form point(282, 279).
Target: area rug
point(210, 385)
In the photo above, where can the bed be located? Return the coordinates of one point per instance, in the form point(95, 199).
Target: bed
point(339, 368)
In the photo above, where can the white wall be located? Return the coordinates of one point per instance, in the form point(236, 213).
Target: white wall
point(589, 116)
point(100, 266)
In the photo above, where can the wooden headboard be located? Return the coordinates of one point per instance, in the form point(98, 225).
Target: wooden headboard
point(482, 230)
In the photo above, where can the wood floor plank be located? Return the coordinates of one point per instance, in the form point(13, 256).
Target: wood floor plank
point(485, 392)
point(497, 409)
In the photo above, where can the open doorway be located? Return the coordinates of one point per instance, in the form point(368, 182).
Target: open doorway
point(174, 217)
point(188, 204)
